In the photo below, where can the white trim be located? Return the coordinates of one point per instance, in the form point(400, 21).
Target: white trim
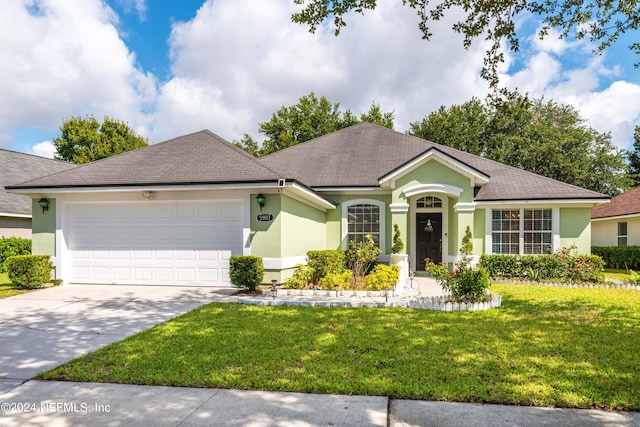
point(14, 215)
point(399, 207)
point(283, 263)
point(475, 177)
point(149, 187)
point(465, 207)
point(586, 202)
point(617, 217)
point(350, 190)
point(383, 223)
point(246, 224)
point(309, 196)
point(451, 190)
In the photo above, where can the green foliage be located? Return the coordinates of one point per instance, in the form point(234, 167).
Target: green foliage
point(464, 283)
point(602, 22)
point(634, 158)
point(467, 243)
point(84, 139)
point(563, 265)
point(302, 276)
point(398, 244)
point(324, 262)
point(308, 119)
point(361, 257)
point(382, 277)
point(536, 135)
point(626, 257)
point(329, 282)
point(246, 272)
point(29, 271)
point(12, 246)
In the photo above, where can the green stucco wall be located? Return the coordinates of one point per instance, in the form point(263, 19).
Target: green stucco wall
point(575, 228)
point(303, 228)
point(266, 237)
point(43, 229)
point(479, 226)
point(433, 172)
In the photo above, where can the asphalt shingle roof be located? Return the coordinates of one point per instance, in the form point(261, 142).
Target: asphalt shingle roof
point(624, 204)
point(198, 158)
point(361, 154)
point(19, 167)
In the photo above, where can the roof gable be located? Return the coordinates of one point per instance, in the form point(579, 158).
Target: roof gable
point(198, 158)
point(624, 204)
point(475, 176)
point(18, 167)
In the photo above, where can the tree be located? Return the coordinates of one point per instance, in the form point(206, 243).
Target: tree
point(84, 139)
point(309, 118)
point(600, 21)
point(536, 135)
point(634, 158)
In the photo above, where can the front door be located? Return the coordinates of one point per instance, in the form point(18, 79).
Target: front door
point(428, 238)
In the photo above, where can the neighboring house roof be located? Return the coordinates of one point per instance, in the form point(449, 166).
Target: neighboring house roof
point(18, 167)
point(624, 204)
point(360, 155)
point(198, 158)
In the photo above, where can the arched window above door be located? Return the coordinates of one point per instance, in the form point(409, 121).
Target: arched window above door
point(428, 202)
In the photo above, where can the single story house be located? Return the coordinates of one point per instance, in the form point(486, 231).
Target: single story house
point(15, 209)
point(174, 212)
point(617, 223)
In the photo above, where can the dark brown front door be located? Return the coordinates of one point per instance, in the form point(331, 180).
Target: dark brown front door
point(428, 238)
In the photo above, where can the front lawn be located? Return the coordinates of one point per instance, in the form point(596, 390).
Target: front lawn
point(545, 347)
point(8, 289)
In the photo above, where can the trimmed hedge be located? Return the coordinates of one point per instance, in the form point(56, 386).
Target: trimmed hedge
point(558, 266)
point(29, 271)
point(621, 257)
point(246, 272)
point(12, 246)
point(323, 262)
point(382, 276)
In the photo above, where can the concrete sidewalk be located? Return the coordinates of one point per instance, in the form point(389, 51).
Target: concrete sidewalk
point(53, 404)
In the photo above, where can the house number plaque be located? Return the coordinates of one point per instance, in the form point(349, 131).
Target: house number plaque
point(264, 217)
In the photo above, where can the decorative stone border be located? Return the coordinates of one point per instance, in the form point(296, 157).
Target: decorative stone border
point(619, 285)
point(426, 303)
point(312, 293)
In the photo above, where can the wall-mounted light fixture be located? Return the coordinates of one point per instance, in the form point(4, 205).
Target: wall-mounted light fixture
point(260, 198)
point(44, 204)
point(148, 195)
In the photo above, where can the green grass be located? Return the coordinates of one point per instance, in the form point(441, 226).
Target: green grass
point(617, 273)
point(8, 289)
point(545, 347)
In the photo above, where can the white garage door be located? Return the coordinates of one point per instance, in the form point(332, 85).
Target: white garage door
point(154, 243)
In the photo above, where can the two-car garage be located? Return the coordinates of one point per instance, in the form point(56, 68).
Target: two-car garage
point(159, 243)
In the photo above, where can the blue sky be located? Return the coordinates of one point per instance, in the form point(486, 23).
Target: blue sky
point(171, 67)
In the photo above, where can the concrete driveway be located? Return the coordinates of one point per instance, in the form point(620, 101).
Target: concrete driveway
point(41, 329)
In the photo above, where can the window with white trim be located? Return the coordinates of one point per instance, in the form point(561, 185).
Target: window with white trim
point(537, 232)
point(362, 220)
point(532, 227)
point(622, 234)
point(505, 231)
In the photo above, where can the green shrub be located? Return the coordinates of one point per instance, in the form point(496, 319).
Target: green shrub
point(564, 265)
point(361, 257)
point(620, 257)
point(343, 280)
point(302, 276)
point(382, 276)
point(324, 262)
point(12, 246)
point(29, 271)
point(246, 272)
point(398, 244)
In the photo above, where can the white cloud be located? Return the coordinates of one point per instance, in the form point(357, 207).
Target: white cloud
point(238, 61)
point(44, 149)
point(60, 58)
